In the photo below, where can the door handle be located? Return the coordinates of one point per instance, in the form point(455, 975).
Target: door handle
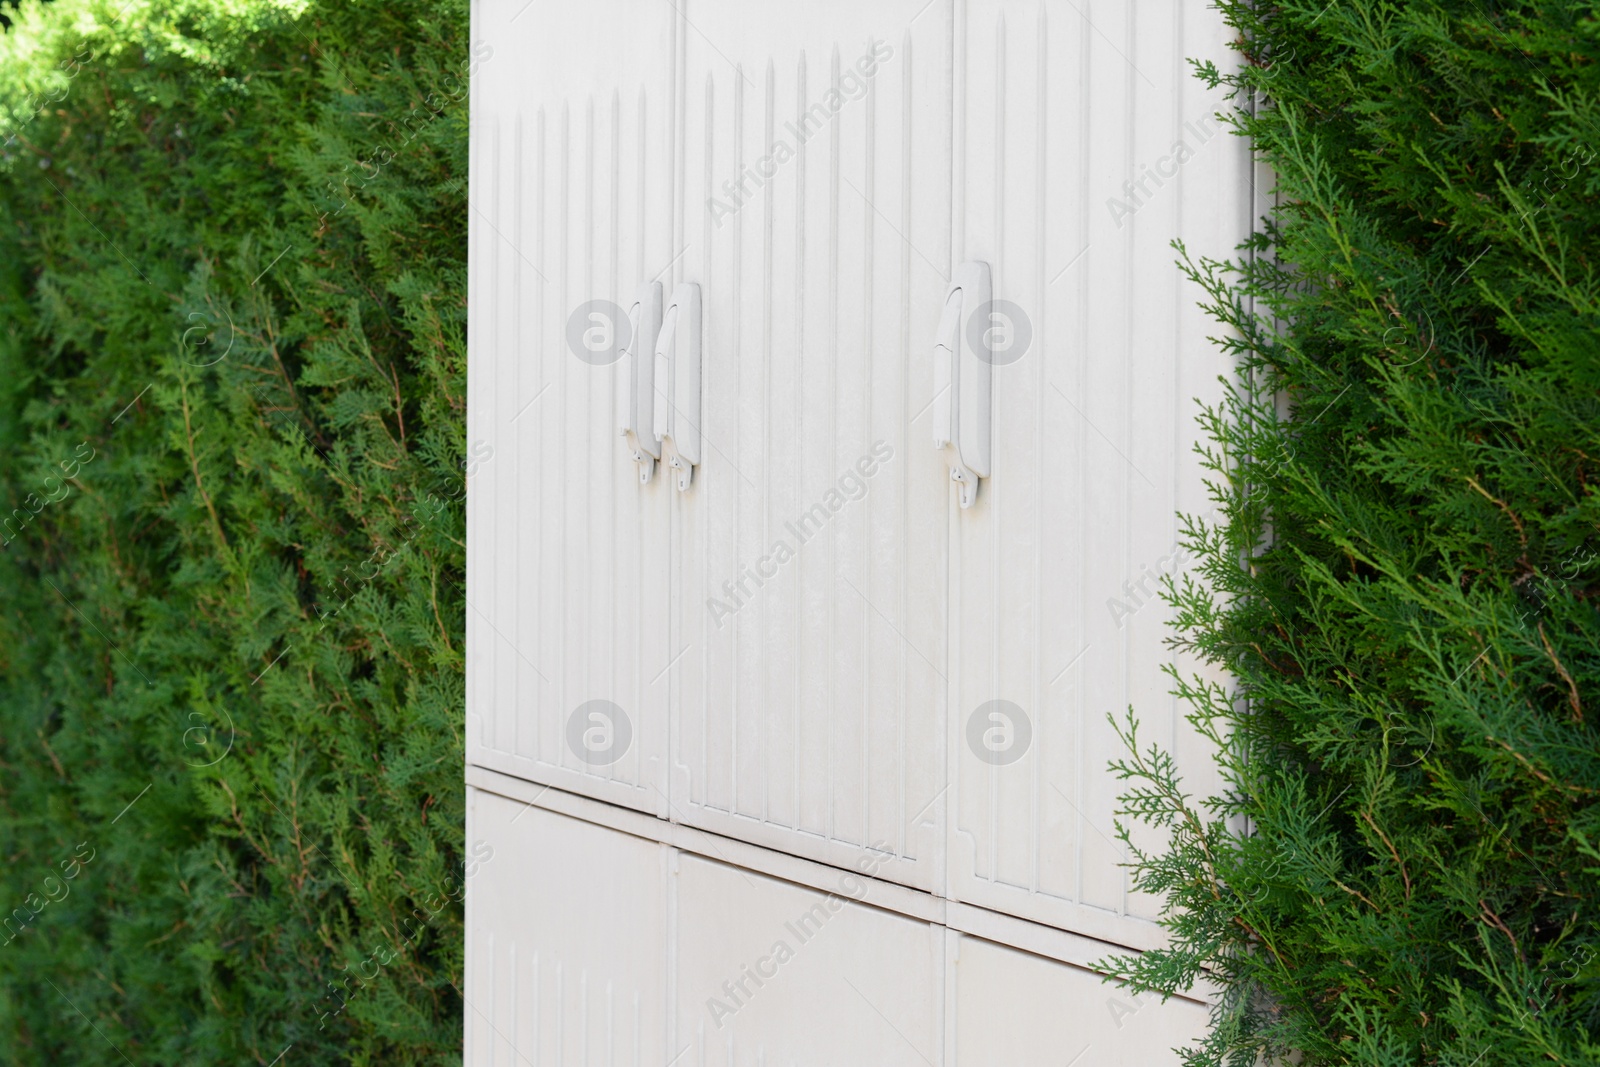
point(677, 383)
point(962, 412)
point(636, 375)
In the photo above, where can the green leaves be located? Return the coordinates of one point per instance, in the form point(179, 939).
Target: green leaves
point(231, 655)
point(1398, 867)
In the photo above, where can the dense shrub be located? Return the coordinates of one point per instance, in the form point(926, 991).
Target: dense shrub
point(231, 389)
point(1405, 868)
point(12, 5)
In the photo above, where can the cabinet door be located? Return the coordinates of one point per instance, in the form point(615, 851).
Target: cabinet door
point(569, 970)
point(1083, 147)
point(768, 974)
point(808, 632)
point(1010, 1007)
point(567, 576)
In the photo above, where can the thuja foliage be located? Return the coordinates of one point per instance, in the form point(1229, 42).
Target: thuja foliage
point(231, 390)
point(1405, 866)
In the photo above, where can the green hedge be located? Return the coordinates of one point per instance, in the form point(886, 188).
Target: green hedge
point(232, 290)
point(1405, 867)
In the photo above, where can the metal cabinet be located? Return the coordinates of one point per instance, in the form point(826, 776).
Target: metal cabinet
point(802, 243)
point(771, 973)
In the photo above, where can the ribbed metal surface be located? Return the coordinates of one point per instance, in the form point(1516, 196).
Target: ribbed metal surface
point(1057, 108)
point(819, 702)
point(810, 706)
point(569, 573)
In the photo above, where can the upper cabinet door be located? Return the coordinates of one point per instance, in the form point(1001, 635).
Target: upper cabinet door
point(809, 555)
point(567, 582)
point(1083, 145)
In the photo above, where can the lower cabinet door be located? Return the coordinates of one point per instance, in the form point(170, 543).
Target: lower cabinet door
point(590, 947)
point(770, 973)
point(566, 940)
point(1013, 1009)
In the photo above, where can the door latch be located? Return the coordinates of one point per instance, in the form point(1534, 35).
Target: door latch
point(962, 366)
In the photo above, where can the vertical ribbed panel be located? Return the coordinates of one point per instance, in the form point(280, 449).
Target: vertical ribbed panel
point(1093, 432)
point(808, 703)
point(819, 703)
point(569, 971)
point(567, 578)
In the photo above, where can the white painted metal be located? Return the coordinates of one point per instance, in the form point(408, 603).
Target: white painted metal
point(1009, 1009)
point(567, 970)
point(767, 973)
point(644, 955)
point(571, 203)
point(785, 627)
point(809, 561)
point(1061, 112)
